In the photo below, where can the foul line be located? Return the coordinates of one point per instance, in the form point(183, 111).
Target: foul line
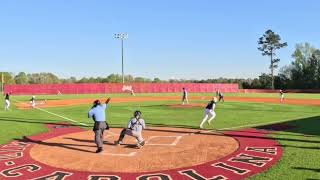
point(61, 116)
point(83, 124)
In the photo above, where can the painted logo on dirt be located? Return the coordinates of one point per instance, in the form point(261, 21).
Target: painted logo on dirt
point(169, 153)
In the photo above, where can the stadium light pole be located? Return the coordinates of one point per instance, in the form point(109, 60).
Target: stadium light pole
point(121, 36)
point(2, 83)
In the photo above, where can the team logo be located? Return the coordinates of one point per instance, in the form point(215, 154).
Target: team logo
point(168, 154)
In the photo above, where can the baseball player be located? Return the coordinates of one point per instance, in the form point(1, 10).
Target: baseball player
point(184, 96)
point(209, 111)
point(98, 114)
point(7, 102)
point(132, 92)
point(220, 95)
point(281, 95)
point(59, 93)
point(33, 101)
point(135, 127)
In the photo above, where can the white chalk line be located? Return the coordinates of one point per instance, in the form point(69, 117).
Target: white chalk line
point(174, 143)
point(110, 132)
point(63, 117)
point(126, 155)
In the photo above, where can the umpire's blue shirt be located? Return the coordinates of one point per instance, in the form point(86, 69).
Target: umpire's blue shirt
point(98, 113)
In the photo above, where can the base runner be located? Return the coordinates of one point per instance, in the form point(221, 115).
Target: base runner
point(209, 110)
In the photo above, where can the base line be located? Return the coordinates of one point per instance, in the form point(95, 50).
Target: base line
point(83, 124)
point(61, 116)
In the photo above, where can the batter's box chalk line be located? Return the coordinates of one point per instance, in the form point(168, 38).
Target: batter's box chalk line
point(117, 154)
point(174, 143)
point(112, 133)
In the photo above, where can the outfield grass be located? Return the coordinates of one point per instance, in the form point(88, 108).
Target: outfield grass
point(80, 96)
point(301, 152)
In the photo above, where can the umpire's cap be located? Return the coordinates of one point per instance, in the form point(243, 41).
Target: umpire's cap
point(96, 102)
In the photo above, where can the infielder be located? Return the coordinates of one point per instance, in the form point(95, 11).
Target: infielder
point(59, 93)
point(7, 102)
point(33, 101)
point(98, 114)
point(281, 95)
point(132, 92)
point(184, 96)
point(209, 111)
point(220, 95)
point(135, 127)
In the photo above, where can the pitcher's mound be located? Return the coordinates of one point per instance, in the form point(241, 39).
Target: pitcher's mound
point(165, 148)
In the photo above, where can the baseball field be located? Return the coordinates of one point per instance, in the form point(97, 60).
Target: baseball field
point(58, 134)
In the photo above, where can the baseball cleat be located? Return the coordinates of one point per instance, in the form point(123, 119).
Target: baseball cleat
point(99, 150)
point(142, 143)
point(118, 142)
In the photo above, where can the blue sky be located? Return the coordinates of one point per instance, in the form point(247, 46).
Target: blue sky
point(181, 39)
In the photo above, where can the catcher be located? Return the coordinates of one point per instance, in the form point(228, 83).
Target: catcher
point(135, 127)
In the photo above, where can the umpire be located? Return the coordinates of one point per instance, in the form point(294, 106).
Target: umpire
point(98, 114)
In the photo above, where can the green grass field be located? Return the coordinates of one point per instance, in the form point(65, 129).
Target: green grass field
point(301, 144)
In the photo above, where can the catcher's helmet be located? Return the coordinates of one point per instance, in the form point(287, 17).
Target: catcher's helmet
point(137, 113)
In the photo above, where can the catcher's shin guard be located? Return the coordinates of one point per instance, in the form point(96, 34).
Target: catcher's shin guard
point(122, 134)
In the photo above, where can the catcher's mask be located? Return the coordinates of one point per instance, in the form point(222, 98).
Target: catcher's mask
point(96, 103)
point(137, 114)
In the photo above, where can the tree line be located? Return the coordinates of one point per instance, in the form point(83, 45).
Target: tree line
point(50, 78)
point(302, 73)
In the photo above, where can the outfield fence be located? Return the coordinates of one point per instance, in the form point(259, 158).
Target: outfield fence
point(103, 88)
point(277, 90)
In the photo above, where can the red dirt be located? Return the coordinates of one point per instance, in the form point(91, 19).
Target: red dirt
point(76, 151)
point(72, 102)
point(61, 152)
